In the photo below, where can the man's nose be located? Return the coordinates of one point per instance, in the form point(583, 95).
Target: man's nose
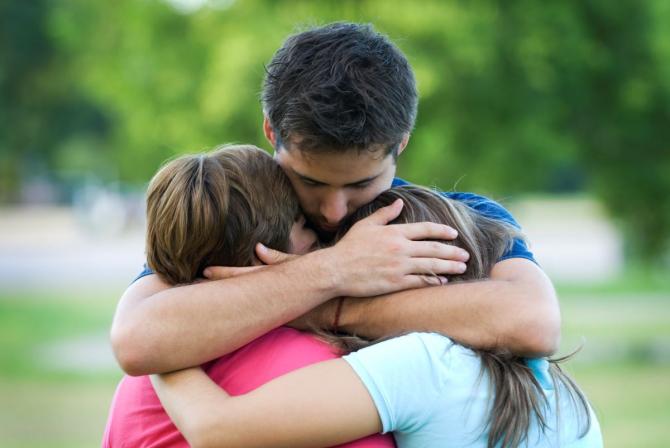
point(334, 208)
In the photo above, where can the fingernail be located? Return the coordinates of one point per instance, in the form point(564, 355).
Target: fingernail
point(453, 233)
point(207, 272)
point(443, 280)
point(261, 247)
point(461, 268)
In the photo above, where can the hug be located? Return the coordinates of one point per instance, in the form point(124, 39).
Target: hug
point(370, 305)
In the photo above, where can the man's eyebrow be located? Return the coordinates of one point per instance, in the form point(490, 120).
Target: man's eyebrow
point(363, 181)
point(308, 179)
point(351, 184)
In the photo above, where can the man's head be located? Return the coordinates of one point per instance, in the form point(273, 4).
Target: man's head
point(340, 102)
point(212, 209)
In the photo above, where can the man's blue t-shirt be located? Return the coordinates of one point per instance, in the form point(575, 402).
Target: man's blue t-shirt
point(485, 206)
point(490, 209)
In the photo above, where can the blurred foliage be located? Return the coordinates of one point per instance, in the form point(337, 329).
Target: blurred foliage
point(515, 95)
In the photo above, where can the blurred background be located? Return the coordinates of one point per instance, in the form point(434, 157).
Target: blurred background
point(560, 110)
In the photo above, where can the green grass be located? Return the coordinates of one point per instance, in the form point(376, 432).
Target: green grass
point(43, 406)
point(617, 320)
point(630, 400)
point(624, 366)
point(29, 321)
point(53, 413)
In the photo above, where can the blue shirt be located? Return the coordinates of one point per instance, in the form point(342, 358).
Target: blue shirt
point(490, 209)
point(429, 393)
point(485, 206)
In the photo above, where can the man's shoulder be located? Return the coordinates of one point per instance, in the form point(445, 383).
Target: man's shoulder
point(482, 204)
point(469, 197)
point(491, 209)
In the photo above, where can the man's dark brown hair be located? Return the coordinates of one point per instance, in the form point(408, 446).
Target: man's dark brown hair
point(339, 87)
point(211, 209)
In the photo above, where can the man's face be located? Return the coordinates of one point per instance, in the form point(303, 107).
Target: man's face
point(332, 185)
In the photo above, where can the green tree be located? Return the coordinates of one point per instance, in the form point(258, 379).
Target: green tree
point(41, 107)
point(515, 96)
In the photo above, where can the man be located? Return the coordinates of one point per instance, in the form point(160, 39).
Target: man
point(339, 105)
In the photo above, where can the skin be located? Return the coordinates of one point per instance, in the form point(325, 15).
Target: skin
point(320, 405)
point(332, 185)
point(279, 413)
point(158, 329)
point(330, 189)
point(294, 410)
point(301, 239)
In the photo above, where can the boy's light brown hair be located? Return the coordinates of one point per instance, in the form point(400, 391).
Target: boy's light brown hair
point(211, 209)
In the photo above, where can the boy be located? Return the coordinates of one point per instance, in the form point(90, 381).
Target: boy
point(211, 209)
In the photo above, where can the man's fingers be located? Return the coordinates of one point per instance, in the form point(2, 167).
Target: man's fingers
point(271, 256)
point(427, 231)
point(436, 249)
point(224, 272)
point(436, 266)
point(385, 214)
point(420, 281)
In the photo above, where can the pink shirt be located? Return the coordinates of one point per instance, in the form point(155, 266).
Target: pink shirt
point(137, 419)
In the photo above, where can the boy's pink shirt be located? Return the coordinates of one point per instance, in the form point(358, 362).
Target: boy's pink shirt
point(137, 419)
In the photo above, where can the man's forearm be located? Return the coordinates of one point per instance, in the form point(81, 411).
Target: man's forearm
point(188, 325)
point(159, 329)
point(515, 310)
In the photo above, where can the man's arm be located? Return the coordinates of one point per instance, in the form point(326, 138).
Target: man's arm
point(158, 329)
point(515, 309)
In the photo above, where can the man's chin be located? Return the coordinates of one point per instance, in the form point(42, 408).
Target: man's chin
point(325, 234)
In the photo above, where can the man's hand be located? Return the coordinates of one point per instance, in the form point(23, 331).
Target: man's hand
point(224, 272)
point(321, 317)
point(374, 258)
point(515, 309)
point(265, 255)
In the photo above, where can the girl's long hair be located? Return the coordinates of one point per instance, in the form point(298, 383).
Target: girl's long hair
point(518, 397)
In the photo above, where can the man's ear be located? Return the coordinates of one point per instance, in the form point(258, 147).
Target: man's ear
point(403, 143)
point(269, 132)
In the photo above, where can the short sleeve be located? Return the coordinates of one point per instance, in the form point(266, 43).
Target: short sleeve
point(146, 270)
point(492, 209)
point(402, 377)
